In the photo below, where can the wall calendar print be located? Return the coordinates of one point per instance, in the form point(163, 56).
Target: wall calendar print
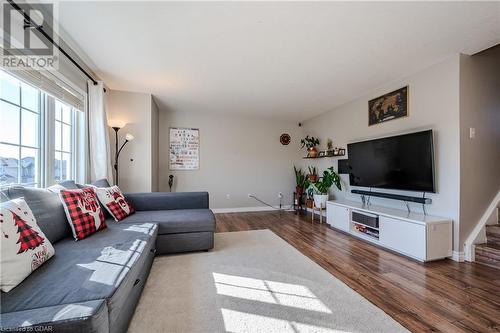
point(184, 149)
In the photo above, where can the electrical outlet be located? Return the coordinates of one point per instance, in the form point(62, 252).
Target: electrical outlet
point(228, 196)
point(472, 132)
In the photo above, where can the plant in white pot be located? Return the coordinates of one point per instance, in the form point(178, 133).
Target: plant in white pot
point(323, 185)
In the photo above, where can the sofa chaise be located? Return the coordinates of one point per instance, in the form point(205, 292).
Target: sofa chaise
point(94, 284)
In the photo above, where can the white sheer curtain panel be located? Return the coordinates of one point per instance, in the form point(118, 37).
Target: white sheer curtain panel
point(99, 152)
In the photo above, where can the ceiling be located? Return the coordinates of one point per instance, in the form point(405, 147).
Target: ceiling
point(286, 60)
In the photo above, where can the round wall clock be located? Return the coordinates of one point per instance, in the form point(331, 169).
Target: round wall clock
point(285, 139)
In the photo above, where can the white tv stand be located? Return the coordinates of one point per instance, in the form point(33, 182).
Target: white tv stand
point(421, 237)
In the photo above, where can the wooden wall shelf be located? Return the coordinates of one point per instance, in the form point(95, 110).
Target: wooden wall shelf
point(339, 155)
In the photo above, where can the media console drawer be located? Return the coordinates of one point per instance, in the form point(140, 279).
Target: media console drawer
point(338, 217)
point(403, 236)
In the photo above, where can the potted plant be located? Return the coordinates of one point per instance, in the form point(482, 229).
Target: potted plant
point(329, 147)
point(329, 144)
point(323, 185)
point(310, 196)
point(313, 174)
point(310, 142)
point(300, 181)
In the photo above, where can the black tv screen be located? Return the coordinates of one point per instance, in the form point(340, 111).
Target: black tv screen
point(403, 162)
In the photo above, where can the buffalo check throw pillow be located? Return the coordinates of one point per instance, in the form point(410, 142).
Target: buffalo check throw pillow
point(83, 212)
point(24, 245)
point(114, 201)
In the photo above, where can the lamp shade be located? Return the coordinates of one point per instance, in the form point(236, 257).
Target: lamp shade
point(116, 123)
point(129, 137)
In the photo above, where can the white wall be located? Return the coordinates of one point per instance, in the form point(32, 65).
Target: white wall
point(238, 155)
point(433, 104)
point(479, 157)
point(135, 164)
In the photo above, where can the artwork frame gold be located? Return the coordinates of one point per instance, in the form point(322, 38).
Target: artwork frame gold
point(390, 106)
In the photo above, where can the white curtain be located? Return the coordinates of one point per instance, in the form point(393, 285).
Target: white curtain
point(100, 157)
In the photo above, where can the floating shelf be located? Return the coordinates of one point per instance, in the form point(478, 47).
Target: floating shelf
point(340, 155)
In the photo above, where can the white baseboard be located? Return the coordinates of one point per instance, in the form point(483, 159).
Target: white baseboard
point(246, 209)
point(458, 256)
point(257, 209)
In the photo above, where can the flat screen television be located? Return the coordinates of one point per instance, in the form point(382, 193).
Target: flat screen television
point(403, 162)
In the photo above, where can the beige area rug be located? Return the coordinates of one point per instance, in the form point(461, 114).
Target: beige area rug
point(253, 281)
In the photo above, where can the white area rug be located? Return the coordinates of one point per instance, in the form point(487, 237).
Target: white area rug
point(253, 281)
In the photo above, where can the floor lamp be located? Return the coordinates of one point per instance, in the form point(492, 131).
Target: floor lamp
point(116, 125)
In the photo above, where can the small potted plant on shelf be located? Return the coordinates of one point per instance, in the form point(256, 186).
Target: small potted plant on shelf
point(329, 147)
point(300, 181)
point(310, 142)
point(313, 174)
point(323, 185)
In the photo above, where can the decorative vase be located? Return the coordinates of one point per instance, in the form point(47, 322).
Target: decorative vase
point(299, 190)
point(312, 152)
point(320, 200)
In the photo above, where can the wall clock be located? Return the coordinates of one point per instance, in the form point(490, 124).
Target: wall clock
point(285, 139)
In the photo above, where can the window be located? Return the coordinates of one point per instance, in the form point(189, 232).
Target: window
point(36, 127)
point(19, 132)
point(64, 142)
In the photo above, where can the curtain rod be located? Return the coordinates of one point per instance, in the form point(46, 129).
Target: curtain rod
point(27, 19)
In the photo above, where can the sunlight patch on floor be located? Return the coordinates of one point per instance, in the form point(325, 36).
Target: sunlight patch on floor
point(241, 322)
point(286, 294)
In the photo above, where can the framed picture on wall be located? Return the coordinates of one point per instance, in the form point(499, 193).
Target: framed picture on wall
point(184, 148)
point(390, 106)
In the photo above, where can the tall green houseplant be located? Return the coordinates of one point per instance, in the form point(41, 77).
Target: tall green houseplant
point(323, 185)
point(328, 179)
point(300, 180)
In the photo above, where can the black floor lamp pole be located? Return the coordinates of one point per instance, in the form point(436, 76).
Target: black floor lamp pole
point(118, 151)
point(116, 154)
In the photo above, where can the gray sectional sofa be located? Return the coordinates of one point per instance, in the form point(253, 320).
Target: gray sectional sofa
point(93, 285)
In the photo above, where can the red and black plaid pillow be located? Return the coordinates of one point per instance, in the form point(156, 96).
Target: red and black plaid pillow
point(112, 198)
point(83, 212)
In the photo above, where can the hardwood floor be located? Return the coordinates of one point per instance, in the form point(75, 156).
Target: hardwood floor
point(442, 296)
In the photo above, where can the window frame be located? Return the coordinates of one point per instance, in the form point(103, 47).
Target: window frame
point(45, 175)
point(19, 105)
point(51, 151)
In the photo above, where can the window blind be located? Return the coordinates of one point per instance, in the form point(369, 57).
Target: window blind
point(52, 86)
